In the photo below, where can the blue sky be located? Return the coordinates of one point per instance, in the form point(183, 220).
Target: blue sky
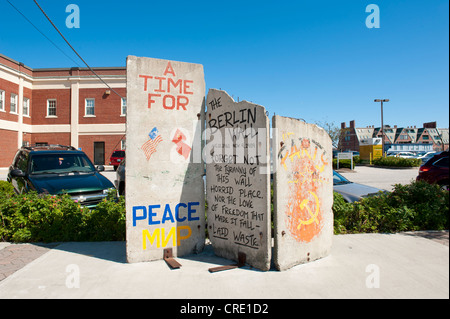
point(314, 60)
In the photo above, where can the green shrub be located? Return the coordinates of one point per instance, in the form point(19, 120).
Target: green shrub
point(107, 222)
point(342, 212)
point(397, 162)
point(429, 201)
point(346, 163)
point(37, 218)
point(6, 189)
point(43, 218)
point(418, 206)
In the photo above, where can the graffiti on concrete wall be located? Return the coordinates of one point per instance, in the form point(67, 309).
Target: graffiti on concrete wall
point(164, 186)
point(304, 160)
point(150, 146)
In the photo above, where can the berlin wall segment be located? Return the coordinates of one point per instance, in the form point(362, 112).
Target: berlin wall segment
point(165, 167)
point(165, 189)
point(238, 179)
point(303, 192)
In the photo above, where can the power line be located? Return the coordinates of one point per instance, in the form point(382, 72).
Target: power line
point(48, 18)
point(54, 44)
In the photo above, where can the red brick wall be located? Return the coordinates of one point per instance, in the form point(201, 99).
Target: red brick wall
point(8, 147)
point(76, 72)
point(107, 107)
point(350, 145)
point(107, 111)
point(51, 138)
point(15, 65)
point(26, 137)
point(39, 106)
point(9, 88)
point(27, 93)
point(112, 143)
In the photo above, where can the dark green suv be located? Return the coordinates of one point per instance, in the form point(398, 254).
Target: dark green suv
point(56, 170)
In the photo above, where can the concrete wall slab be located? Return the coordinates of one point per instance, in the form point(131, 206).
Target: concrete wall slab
point(238, 179)
point(303, 192)
point(164, 170)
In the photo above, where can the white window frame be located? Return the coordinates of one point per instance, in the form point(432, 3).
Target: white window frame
point(2, 101)
point(55, 108)
point(90, 106)
point(14, 101)
point(26, 107)
point(123, 109)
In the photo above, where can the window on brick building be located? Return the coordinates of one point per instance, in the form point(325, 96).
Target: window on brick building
point(90, 107)
point(2, 100)
point(51, 107)
point(124, 107)
point(13, 108)
point(26, 106)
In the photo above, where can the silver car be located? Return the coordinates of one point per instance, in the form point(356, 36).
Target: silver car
point(352, 192)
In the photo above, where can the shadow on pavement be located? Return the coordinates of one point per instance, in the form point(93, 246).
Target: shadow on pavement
point(441, 237)
point(111, 251)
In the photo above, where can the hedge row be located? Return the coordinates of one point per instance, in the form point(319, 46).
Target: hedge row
point(383, 161)
point(418, 206)
point(45, 218)
point(346, 163)
point(397, 162)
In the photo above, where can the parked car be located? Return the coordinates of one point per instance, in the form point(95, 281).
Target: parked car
point(352, 192)
point(427, 156)
point(116, 158)
point(404, 155)
point(436, 170)
point(120, 178)
point(57, 170)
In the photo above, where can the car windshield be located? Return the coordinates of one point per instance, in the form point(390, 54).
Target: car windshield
point(338, 179)
point(61, 164)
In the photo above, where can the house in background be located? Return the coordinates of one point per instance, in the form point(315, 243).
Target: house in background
point(396, 139)
point(66, 106)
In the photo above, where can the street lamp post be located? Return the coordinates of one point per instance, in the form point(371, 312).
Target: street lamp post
point(382, 123)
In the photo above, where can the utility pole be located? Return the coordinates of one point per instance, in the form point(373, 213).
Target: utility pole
point(382, 122)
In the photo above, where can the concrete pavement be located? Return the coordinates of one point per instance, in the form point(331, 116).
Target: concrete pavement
point(360, 266)
point(382, 178)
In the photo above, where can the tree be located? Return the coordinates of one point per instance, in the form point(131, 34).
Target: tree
point(332, 129)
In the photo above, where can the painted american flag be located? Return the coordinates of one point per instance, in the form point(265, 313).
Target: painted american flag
point(149, 147)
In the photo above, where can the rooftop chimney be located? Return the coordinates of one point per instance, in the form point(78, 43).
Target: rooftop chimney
point(352, 124)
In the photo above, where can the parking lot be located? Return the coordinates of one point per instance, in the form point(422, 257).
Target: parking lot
point(382, 178)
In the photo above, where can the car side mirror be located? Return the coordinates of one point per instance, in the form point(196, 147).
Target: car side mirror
point(17, 173)
point(101, 168)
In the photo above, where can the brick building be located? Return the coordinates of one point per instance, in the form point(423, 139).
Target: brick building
point(68, 106)
point(396, 139)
